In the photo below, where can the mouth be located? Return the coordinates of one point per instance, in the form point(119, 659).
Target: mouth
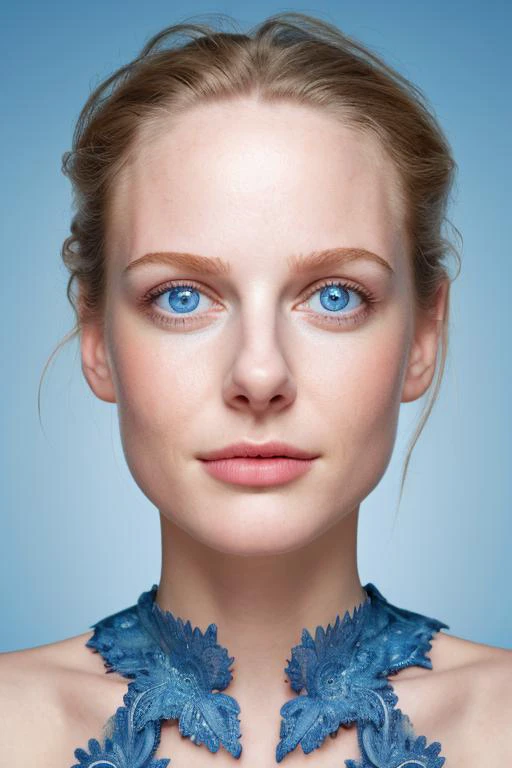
point(257, 470)
point(273, 449)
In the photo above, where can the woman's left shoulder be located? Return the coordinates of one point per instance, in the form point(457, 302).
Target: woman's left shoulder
point(483, 675)
point(486, 670)
point(464, 701)
point(451, 653)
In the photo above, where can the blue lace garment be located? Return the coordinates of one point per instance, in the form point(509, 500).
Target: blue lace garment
point(340, 673)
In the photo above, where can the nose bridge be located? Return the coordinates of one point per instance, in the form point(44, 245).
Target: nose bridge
point(260, 370)
point(259, 342)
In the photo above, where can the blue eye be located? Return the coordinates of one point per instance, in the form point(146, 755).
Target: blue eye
point(182, 299)
point(179, 300)
point(334, 297)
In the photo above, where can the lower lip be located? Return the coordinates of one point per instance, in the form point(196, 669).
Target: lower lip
point(254, 471)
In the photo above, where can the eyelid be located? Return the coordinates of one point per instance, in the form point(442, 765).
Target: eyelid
point(169, 320)
point(306, 293)
point(346, 283)
point(154, 293)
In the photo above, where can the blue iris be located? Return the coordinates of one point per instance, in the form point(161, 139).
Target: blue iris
point(181, 299)
point(186, 298)
point(335, 297)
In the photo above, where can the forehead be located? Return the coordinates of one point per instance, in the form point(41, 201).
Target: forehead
point(246, 177)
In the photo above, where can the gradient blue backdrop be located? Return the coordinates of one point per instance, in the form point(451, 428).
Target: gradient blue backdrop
point(66, 493)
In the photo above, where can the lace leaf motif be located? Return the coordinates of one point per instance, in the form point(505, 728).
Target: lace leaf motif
point(175, 669)
point(342, 672)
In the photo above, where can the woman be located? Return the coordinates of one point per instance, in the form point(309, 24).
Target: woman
point(259, 258)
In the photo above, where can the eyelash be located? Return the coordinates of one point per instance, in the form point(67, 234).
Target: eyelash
point(368, 300)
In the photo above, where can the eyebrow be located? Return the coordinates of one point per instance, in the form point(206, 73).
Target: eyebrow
point(299, 264)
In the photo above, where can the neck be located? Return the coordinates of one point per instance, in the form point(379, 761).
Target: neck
point(260, 604)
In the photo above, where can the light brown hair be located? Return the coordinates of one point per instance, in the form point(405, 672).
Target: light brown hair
point(288, 57)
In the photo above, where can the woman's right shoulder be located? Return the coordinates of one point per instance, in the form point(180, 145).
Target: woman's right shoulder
point(53, 698)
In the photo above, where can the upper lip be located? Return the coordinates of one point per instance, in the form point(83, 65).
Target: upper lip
point(244, 449)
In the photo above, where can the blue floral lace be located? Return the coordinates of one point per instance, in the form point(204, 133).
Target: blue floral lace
point(340, 673)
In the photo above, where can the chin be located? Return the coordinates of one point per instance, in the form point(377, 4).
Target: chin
point(255, 529)
point(250, 546)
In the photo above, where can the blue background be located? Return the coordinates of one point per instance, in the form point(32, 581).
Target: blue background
point(78, 538)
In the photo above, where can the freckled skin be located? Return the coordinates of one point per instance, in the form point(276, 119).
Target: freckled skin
point(253, 183)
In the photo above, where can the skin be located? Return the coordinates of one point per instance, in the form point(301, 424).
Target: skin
point(253, 184)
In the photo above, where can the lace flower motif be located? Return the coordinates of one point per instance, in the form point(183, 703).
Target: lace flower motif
point(343, 671)
point(125, 747)
point(176, 668)
point(396, 745)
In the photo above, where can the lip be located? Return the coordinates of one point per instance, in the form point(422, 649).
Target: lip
point(253, 471)
point(270, 463)
point(245, 449)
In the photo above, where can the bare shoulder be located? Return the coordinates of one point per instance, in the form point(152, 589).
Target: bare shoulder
point(487, 679)
point(58, 693)
point(464, 701)
point(450, 652)
point(487, 670)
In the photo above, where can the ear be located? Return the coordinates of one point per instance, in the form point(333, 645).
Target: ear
point(95, 362)
point(422, 357)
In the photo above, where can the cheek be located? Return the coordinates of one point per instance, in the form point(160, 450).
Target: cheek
point(362, 401)
point(159, 386)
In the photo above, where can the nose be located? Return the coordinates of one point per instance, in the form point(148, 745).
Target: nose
point(259, 379)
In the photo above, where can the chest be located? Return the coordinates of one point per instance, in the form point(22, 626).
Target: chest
point(439, 707)
point(259, 745)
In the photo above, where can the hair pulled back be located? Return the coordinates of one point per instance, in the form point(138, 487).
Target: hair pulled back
point(289, 56)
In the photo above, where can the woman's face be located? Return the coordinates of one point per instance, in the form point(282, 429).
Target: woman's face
point(261, 350)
